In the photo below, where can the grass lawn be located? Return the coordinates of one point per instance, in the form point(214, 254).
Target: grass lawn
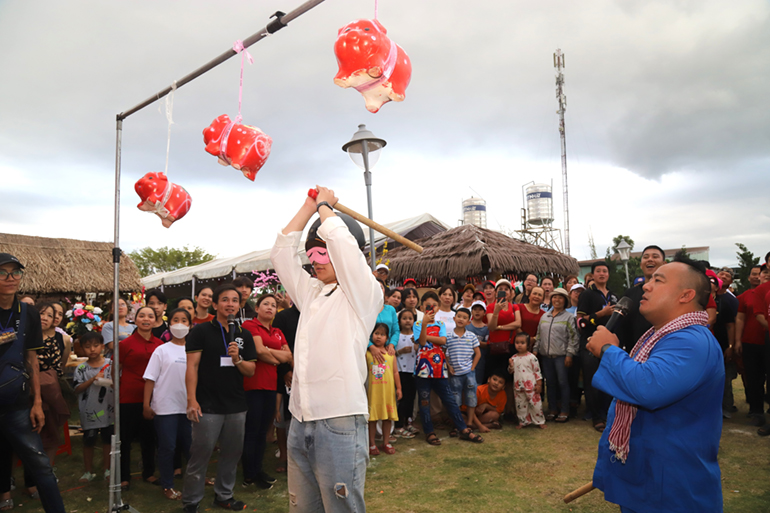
point(527, 470)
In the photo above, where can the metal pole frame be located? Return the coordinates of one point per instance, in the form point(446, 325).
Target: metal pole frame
point(368, 181)
point(281, 20)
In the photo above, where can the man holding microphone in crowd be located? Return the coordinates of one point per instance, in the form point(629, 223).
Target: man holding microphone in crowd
point(328, 441)
point(659, 450)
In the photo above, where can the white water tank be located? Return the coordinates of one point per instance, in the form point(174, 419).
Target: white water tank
point(475, 212)
point(539, 204)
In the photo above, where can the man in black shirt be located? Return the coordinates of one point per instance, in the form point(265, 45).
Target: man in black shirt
point(594, 309)
point(245, 288)
point(634, 325)
point(724, 331)
point(20, 338)
point(217, 361)
point(287, 321)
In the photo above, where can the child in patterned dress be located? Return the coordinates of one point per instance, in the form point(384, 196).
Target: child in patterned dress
point(527, 384)
point(383, 390)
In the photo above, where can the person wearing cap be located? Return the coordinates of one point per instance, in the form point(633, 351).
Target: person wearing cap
point(21, 335)
point(328, 439)
point(574, 297)
point(478, 326)
point(634, 325)
point(558, 342)
point(410, 283)
point(466, 297)
point(382, 271)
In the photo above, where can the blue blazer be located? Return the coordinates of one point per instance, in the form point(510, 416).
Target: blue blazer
point(672, 461)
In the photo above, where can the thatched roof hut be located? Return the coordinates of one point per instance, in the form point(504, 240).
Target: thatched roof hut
point(470, 251)
point(68, 266)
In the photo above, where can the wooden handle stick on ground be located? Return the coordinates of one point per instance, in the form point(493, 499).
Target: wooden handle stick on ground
point(368, 222)
point(571, 496)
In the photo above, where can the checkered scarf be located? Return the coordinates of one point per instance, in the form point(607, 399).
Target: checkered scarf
point(620, 434)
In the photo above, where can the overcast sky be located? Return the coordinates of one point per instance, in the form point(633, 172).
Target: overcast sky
point(668, 133)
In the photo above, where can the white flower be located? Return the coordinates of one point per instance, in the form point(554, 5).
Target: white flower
point(89, 327)
point(97, 311)
point(80, 306)
point(69, 313)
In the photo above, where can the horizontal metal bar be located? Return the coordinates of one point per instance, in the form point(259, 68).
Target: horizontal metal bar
point(281, 21)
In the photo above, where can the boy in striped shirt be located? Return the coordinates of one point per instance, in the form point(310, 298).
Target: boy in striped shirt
point(463, 354)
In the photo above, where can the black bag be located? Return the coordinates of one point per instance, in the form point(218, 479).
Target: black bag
point(13, 376)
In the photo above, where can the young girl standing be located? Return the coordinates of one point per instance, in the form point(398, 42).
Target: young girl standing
point(165, 399)
point(384, 389)
point(527, 384)
point(405, 357)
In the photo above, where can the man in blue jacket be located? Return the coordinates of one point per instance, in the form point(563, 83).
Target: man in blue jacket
point(659, 450)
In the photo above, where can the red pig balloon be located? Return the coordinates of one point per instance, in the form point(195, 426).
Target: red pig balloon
point(168, 200)
point(244, 147)
point(370, 62)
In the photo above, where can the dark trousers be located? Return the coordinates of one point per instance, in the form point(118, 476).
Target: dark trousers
point(555, 373)
point(441, 387)
point(597, 402)
point(133, 425)
point(17, 437)
point(754, 370)
point(406, 404)
point(573, 378)
point(174, 436)
point(259, 418)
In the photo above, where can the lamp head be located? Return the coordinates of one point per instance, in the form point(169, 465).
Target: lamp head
point(364, 139)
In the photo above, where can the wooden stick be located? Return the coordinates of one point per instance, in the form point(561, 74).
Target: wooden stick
point(571, 496)
point(368, 222)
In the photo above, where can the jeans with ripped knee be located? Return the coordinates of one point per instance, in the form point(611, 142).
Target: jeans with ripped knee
point(327, 465)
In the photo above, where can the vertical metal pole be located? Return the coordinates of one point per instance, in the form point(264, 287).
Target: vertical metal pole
point(193, 287)
point(628, 284)
point(368, 181)
point(559, 64)
point(115, 500)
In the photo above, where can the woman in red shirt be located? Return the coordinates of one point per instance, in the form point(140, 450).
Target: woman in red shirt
point(531, 314)
point(260, 388)
point(135, 352)
point(504, 319)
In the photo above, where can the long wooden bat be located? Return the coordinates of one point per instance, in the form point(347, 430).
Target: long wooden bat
point(571, 496)
point(368, 222)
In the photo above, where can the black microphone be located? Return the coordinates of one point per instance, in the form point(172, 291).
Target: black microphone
point(231, 327)
point(621, 309)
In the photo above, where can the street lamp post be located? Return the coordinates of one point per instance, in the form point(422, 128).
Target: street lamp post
point(624, 248)
point(364, 150)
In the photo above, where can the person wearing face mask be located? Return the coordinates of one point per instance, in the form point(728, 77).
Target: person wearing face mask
point(165, 399)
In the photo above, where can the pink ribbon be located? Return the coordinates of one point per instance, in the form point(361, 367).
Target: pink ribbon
point(390, 65)
point(239, 48)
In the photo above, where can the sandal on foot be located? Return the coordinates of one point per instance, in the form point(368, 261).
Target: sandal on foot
point(563, 417)
point(155, 482)
point(281, 467)
point(454, 433)
point(209, 481)
point(125, 486)
point(374, 451)
point(172, 494)
point(413, 430)
point(551, 416)
point(6, 505)
point(432, 439)
point(599, 426)
point(389, 449)
point(495, 425)
point(469, 436)
point(230, 504)
point(87, 477)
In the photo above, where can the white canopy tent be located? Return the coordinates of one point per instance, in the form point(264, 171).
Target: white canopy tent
point(420, 226)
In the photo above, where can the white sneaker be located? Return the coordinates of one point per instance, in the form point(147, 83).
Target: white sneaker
point(87, 477)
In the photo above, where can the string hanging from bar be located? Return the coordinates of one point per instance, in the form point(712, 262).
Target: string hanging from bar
point(169, 118)
point(238, 48)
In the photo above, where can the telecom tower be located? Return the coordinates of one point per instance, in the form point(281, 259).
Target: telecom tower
point(558, 63)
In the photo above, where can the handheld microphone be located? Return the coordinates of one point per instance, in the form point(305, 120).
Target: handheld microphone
point(231, 327)
point(621, 310)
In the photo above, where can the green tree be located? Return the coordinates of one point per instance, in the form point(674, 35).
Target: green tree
point(616, 241)
point(746, 260)
point(682, 253)
point(151, 261)
point(617, 281)
point(592, 245)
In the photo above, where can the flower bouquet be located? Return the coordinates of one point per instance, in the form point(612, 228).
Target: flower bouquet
point(82, 319)
point(266, 282)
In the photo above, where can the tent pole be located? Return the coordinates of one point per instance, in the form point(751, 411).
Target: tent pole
point(116, 502)
point(193, 287)
point(280, 21)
